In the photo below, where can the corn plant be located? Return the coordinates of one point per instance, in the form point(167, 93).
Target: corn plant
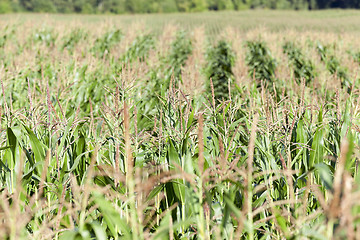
point(220, 60)
point(139, 49)
point(169, 69)
point(103, 44)
point(333, 65)
point(355, 56)
point(260, 62)
point(3, 40)
point(302, 68)
point(70, 41)
point(7, 36)
point(180, 50)
point(7, 33)
point(45, 36)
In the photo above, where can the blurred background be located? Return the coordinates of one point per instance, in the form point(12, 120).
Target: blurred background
point(164, 6)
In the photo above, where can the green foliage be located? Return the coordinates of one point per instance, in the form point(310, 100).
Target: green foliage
point(191, 5)
point(220, 60)
point(180, 50)
point(261, 64)
point(43, 6)
point(93, 149)
point(5, 6)
point(220, 5)
point(355, 56)
point(3, 41)
point(333, 65)
point(45, 36)
point(166, 6)
point(103, 45)
point(139, 49)
point(72, 39)
point(303, 68)
point(7, 33)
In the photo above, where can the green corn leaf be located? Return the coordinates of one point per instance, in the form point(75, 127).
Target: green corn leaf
point(12, 142)
point(112, 218)
point(37, 147)
point(99, 231)
point(317, 148)
point(326, 175)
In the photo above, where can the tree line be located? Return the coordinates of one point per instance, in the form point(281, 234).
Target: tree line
point(164, 6)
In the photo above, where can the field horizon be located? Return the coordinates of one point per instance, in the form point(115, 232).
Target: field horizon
point(334, 20)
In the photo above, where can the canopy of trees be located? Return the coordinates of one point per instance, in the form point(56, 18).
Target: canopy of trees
point(155, 6)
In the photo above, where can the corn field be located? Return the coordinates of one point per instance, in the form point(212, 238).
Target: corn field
point(113, 133)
